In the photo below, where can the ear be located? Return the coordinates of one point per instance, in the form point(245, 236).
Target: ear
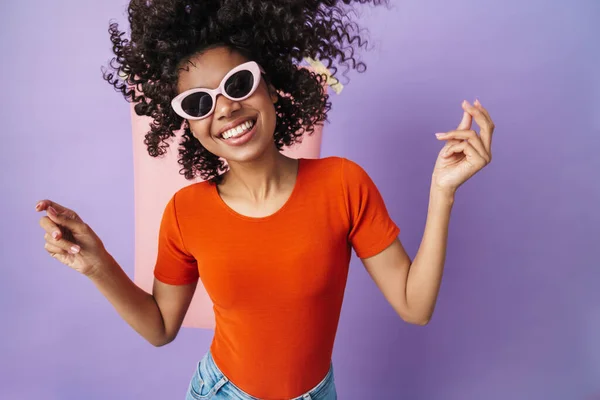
point(186, 125)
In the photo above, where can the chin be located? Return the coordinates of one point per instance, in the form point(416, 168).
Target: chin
point(249, 154)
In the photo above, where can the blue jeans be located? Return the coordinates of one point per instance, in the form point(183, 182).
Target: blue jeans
point(209, 383)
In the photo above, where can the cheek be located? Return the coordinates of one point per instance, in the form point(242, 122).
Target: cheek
point(202, 132)
point(200, 129)
point(264, 102)
point(267, 111)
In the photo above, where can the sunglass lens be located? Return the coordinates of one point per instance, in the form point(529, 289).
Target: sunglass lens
point(239, 84)
point(197, 104)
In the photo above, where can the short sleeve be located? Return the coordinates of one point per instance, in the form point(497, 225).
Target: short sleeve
point(371, 228)
point(174, 264)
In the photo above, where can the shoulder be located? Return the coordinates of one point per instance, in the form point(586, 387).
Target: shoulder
point(189, 196)
point(195, 188)
point(322, 172)
point(323, 163)
point(326, 166)
point(335, 168)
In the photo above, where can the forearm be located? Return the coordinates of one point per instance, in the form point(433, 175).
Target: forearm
point(137, 307)
point(425, 273)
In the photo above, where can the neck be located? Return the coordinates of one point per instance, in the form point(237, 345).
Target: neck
point(261, 178)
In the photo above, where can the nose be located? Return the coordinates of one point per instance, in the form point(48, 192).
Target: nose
point(226, 107)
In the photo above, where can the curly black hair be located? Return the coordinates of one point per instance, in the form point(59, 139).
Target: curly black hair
point(276, 34)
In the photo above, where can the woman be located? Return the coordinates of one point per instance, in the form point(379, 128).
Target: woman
point(269, 236)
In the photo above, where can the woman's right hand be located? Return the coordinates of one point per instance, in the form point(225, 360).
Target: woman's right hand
point(70, 240)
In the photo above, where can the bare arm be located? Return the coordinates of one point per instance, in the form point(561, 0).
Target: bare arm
point(157, 317)
point(412, 288)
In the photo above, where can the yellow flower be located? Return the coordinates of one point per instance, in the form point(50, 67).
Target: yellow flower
point(321, 69)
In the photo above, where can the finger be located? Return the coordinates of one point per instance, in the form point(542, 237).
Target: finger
point(45, 204)
point(64, 244)
point(50, 227)
point(57, 253)
point(450, 142)
point(472, 137)
point(477, 104)
point(465, 147)
point(466, 121)
point(483, 122)
point(53, 249)
point(67, 218)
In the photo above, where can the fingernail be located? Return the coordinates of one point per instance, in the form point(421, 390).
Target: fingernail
point(75, 249)
point(55, 234)
point(440, 134)
point(465, 103)
point(477, 102)
point(52, 211)
point(38, 205)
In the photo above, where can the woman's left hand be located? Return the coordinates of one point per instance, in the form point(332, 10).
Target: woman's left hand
point(465, 152)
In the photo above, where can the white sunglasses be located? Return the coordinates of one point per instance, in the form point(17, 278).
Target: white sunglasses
point(237, 85)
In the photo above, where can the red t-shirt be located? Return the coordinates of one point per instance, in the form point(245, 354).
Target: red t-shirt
point(277, 282)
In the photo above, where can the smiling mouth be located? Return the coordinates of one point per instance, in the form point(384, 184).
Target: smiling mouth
point(239, 130)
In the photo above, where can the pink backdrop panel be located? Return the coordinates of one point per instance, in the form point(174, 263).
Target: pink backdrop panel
point(156, 180)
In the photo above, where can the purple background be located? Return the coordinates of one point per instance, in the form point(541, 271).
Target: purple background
point(518, 315)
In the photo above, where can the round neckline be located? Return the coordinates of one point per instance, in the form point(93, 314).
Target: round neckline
point(281, 209)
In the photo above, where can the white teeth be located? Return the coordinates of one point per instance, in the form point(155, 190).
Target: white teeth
point(238, 130)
